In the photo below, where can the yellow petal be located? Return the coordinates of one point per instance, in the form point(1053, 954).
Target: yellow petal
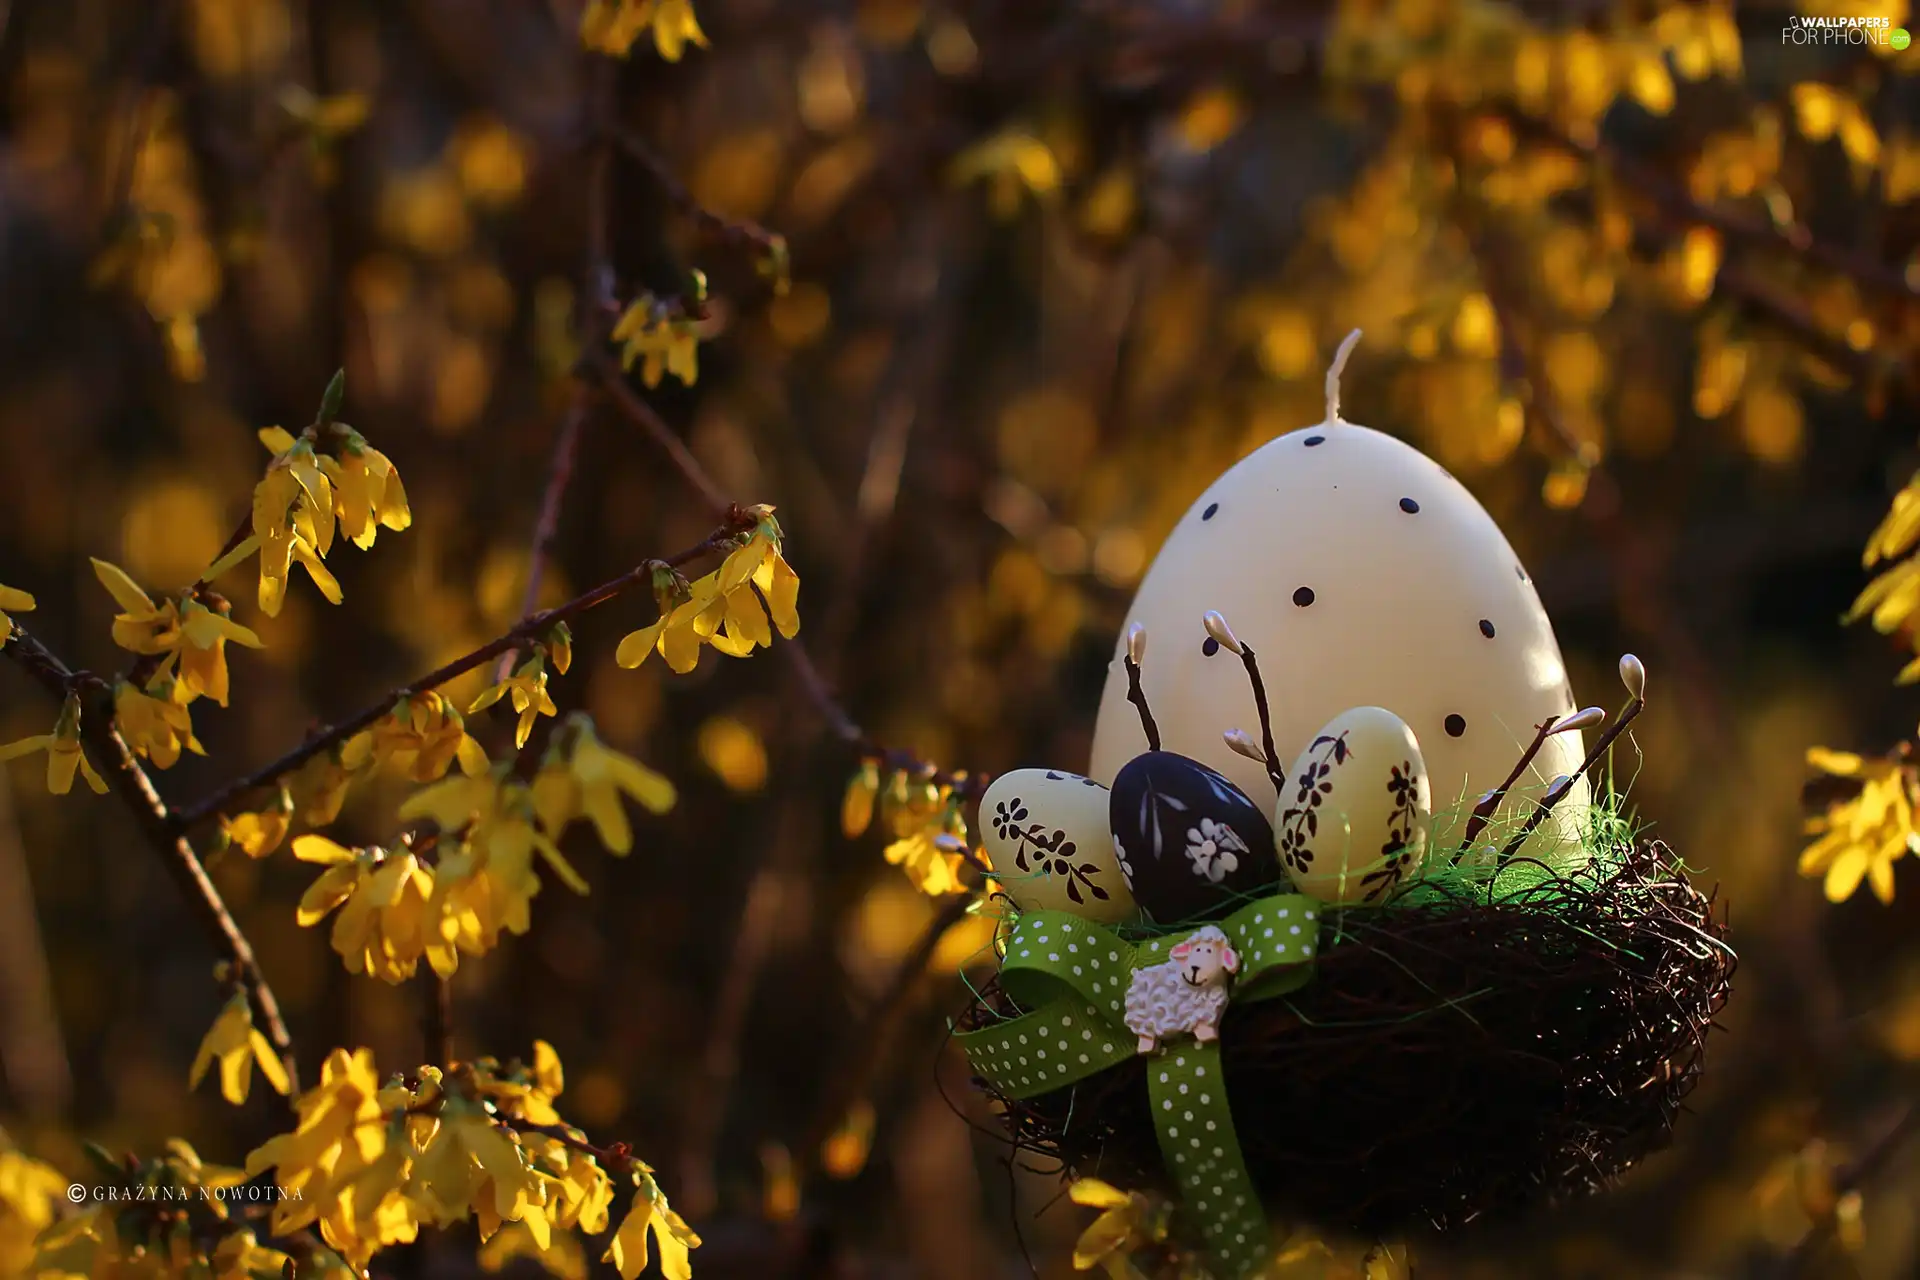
point(26, 746)
point(322, 576)
point(14, 600)
point(122, 588)
point(333, 887)
point(637, 645)
point(627, 1251)
point(1844, 764)
point(472, 757)
point(277, 439)
point(246, 547)
point(562, 868)
point(654, 791)
point(1096, 1194)
point(61, 762)
point(317, 848)
point(1843, 877)
point(681, 648)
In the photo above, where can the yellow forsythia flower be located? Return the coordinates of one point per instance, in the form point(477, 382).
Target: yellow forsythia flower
point(141, 626)
point(259, 834)
point(723, 610)
point(521, 1092)
point(582, 777)
point(1863, 837)
point(929, 833)
point(237, 1046)
point(63, 751)
point(240, 1255)
point(12, 600)
point(187, 631)
point(386, 921)
point(321, 786)
point(29, 1193)
point(651, 1216)
point(856, 808)
point(471, 1164)
point(583, 1195)
point(528, 687)
point(367, 492)
point(1899, 530)
point(421, 736)
point(293, 519)
point(663, 341)
point(343, 1141)
point(155, 724)
point(1012, 161)
point(931, 860)
point(562, 1257)
point(612, 26)
point(1128, 1222)
point(488, 882)
point(203, 649)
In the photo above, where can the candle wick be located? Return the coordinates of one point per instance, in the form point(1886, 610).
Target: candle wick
point(1351, 341)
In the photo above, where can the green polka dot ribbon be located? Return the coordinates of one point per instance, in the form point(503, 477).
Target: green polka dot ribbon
point(1073, 976)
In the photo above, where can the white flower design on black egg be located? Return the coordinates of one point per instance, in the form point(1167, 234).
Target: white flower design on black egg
point(1120, 856)
point(1214, 848)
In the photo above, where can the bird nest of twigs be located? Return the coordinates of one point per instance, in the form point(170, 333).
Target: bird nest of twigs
point(1462, 1054)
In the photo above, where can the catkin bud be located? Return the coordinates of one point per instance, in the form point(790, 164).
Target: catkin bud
point(1242, 742)
point(1633, 674)
point(1217, 628)
point(1585, 718)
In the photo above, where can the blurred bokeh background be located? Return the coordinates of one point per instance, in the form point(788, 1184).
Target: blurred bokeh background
point(1642, 275)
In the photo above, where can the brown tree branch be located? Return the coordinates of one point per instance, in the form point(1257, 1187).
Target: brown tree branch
point(1636, 568)
point(138, 121)
point(871, 1043)
point(1794, 241)
point(735, 231)
point(547, 527)
point(736, 523)
point(1851, 1178)
point(628, 401)
point(162, 828)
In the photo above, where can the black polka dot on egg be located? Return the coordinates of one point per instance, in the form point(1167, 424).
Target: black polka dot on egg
point(1303, 597)
point(1213, 509)
point(1456, 725)
point(1209, 646)
point(1486, 628)
point(1409, 506)
point(1314, 440)
point(1519, 573)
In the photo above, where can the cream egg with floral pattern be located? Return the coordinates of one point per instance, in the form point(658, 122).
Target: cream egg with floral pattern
point(1045, 832)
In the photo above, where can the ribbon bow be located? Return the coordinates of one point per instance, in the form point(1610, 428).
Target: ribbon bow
point(1074, 976)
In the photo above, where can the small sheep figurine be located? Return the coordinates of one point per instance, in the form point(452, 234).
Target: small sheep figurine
point(1187, 993)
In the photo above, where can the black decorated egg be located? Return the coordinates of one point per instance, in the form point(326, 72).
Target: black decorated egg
point(1045, 832)
point(1190, 843)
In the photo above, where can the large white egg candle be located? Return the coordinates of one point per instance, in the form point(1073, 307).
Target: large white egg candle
point(1362, 574)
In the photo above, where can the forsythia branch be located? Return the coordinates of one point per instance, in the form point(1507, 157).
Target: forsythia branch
point(1792, 240)
point(735, 523)
point(163, 829)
